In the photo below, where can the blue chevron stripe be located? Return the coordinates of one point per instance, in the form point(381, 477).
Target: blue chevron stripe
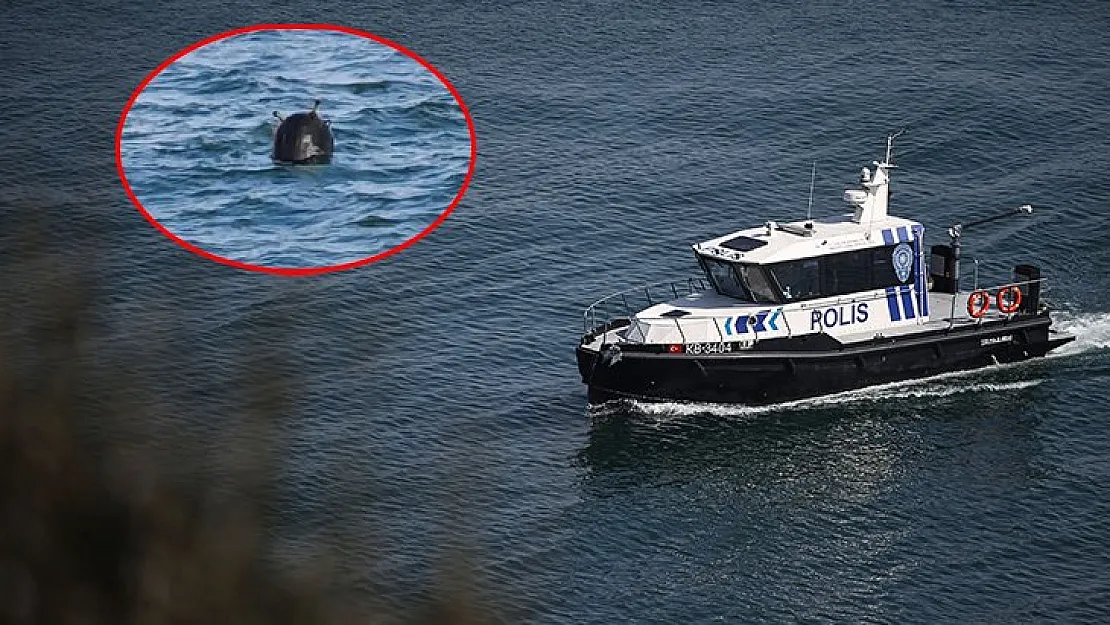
point(741, 324)
point(759, 318)
point(888, 236)
point(774, 315)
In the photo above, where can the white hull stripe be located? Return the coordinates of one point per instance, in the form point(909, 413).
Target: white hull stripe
point(908, 307)
point(900, 302)
point(892, 305)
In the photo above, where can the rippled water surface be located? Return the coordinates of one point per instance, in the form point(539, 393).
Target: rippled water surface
point(437, 392)
point(196, 148)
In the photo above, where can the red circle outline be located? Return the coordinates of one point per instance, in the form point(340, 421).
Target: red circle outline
point(297, 271)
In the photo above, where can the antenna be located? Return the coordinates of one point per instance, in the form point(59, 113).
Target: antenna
point(890, 142)
point(812, 176)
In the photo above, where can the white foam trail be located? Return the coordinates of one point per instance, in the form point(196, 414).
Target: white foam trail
point(894, 390)
point(1091, 330)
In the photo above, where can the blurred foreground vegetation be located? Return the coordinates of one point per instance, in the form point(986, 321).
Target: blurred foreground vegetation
point(98, 528)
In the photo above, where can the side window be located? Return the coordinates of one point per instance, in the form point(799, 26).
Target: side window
point(846, 273)
point(799, 279)
point(843, 274)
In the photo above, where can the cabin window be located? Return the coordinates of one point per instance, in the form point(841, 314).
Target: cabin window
point(724, 279)
point(846, 273)
point(799, 279)
point(744, 282)
point(756, 282)
point(836, 274)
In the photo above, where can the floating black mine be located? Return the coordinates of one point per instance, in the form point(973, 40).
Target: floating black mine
point(303, 139)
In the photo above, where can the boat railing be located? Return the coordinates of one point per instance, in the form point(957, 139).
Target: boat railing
point(992, 293)
point(614, 310)
point(784, 319)
point(624, 304)
point(600, 317)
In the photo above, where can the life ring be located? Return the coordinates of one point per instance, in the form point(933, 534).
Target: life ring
point(978, 303)
point(1013, 295)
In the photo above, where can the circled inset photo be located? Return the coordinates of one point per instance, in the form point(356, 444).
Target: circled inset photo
point(296, 148)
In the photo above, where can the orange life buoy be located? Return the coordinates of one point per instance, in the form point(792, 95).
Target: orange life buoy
point(978, 303)
point(1009, 299)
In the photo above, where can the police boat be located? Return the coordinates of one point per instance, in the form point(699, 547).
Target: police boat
point(303, 139)
point(792, 310)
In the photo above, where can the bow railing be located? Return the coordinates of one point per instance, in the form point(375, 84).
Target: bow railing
point(624, 304)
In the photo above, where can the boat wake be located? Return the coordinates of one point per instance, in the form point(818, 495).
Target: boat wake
point(932, 387)
point(1092, 331)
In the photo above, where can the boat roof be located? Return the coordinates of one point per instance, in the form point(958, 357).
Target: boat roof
point(773, 242)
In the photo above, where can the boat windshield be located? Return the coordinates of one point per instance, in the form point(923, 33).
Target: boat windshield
point(739, 280)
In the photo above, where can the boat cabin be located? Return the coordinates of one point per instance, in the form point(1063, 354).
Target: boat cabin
point(856, 273)
point(781, 264)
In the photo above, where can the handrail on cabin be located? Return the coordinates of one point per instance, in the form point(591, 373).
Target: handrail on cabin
point(694, 285)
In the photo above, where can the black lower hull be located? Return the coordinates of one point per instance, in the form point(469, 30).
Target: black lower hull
point(761, 377)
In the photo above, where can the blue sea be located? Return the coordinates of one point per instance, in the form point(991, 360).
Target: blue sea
point(436, 391)
point(196, 148)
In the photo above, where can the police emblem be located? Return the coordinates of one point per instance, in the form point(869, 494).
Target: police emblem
point(902, 259)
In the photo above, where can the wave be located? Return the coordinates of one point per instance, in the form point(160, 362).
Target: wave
point(917, 389)
point(1091, 330)
point(378, 221)
point(392, 174)
point(365, 86)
